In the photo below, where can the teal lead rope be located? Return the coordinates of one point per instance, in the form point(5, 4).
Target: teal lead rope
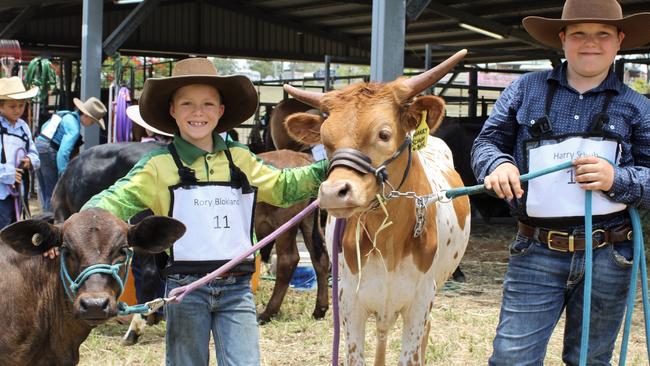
point(639, 261)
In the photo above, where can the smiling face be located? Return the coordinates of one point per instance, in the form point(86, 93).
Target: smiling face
point(197, 109)
point(12, 109)
point(590, 48)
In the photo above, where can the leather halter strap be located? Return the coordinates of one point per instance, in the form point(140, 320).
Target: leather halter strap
point(361, 163)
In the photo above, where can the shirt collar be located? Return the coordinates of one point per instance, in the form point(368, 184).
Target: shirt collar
point(189, 153)
point(610, 83)
point(5, 122)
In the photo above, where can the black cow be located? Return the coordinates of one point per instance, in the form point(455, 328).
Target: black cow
point(91, 172)
point(42, 324)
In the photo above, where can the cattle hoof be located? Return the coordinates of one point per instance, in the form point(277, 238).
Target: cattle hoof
point(264, 318)
point(319, 313)
point(458, 275)
point(130, 338)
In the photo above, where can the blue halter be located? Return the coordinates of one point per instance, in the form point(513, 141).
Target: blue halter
point(72, 286)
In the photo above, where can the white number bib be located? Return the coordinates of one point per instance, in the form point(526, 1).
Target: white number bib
point(557, 194)
point(49, 130)
point(219, 222)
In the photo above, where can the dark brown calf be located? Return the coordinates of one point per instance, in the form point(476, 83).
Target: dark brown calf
point(268, 218)
point(41, 324)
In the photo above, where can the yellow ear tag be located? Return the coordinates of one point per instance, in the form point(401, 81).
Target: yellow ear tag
point(421, 133)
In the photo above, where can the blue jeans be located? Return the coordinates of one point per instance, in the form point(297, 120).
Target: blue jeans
point(7, 211)
point(541, 283)
point(47, 174)
point(224, 307)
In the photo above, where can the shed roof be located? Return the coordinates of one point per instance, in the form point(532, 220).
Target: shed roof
point(303, 30)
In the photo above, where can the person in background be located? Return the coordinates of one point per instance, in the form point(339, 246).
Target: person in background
point(58, 138)
point(17, 150)
point(578, 112)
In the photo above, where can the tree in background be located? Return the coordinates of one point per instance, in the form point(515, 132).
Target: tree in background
point(225, 66)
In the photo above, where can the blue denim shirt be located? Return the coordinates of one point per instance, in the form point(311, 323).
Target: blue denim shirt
point(8, 170)
point(505, 131)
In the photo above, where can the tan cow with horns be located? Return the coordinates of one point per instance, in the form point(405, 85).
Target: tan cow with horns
point(387, 269)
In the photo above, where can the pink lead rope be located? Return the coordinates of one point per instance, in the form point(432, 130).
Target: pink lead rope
point(178, 294)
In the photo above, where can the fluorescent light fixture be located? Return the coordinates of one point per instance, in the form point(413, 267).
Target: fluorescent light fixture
point(481, 30)
point(122, 2)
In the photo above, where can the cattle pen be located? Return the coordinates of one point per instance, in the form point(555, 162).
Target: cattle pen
point(464, 320)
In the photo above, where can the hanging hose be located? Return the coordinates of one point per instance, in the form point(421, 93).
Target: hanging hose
point(122, 122)
point(42, 74)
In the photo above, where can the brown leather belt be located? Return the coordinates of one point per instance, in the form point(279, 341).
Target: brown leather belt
point(566, 242)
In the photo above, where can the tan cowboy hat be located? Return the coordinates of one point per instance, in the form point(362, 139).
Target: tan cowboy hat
point(238, 94)
point(92, 108)
point(546, 30)
point(13, 88)
point(134, 114)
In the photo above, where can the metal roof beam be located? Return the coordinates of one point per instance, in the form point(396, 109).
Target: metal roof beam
point(132, 21)
point(483, 23)
point(414, 8)
point(18, 22)
point(273, 17)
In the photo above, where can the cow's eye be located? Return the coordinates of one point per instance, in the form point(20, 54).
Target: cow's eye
point(384, 135)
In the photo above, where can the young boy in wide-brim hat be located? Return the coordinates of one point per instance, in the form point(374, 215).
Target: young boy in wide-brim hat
point(577, 112)
point(211, 186)
point(17, 151)
point(59, 137)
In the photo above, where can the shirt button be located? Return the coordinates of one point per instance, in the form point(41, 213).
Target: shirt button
point(576, 117)
point(581, 97)
point(611, 194)
point(209, 157)
point(211, 171)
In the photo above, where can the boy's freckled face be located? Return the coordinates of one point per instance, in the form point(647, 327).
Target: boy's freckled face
point(12, 109)
point(196, 109)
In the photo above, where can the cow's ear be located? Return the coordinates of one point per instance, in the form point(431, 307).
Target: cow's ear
point(304, 127)
point(154, 234)
point(31, 237)
point(435, 107)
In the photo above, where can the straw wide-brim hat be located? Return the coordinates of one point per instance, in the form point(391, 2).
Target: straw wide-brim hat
point(12, 88)
point(133, 112)
point(238, 94)
point(92, 108)
point(635, 26)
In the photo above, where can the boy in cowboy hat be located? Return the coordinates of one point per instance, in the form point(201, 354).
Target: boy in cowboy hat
point(59, 137)
point(17, 150)
point(211, 185)
point(577, 112)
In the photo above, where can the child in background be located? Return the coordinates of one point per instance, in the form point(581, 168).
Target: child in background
point(17, 150)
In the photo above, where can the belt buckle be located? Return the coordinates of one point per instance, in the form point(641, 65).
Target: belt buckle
point(592, 236)
point(549, 240)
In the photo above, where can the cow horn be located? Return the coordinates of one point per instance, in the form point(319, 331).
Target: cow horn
point(307, 97)
point(420, 82)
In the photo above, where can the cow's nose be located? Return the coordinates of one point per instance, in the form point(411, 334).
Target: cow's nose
point(337, 194)
point(94, 307)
